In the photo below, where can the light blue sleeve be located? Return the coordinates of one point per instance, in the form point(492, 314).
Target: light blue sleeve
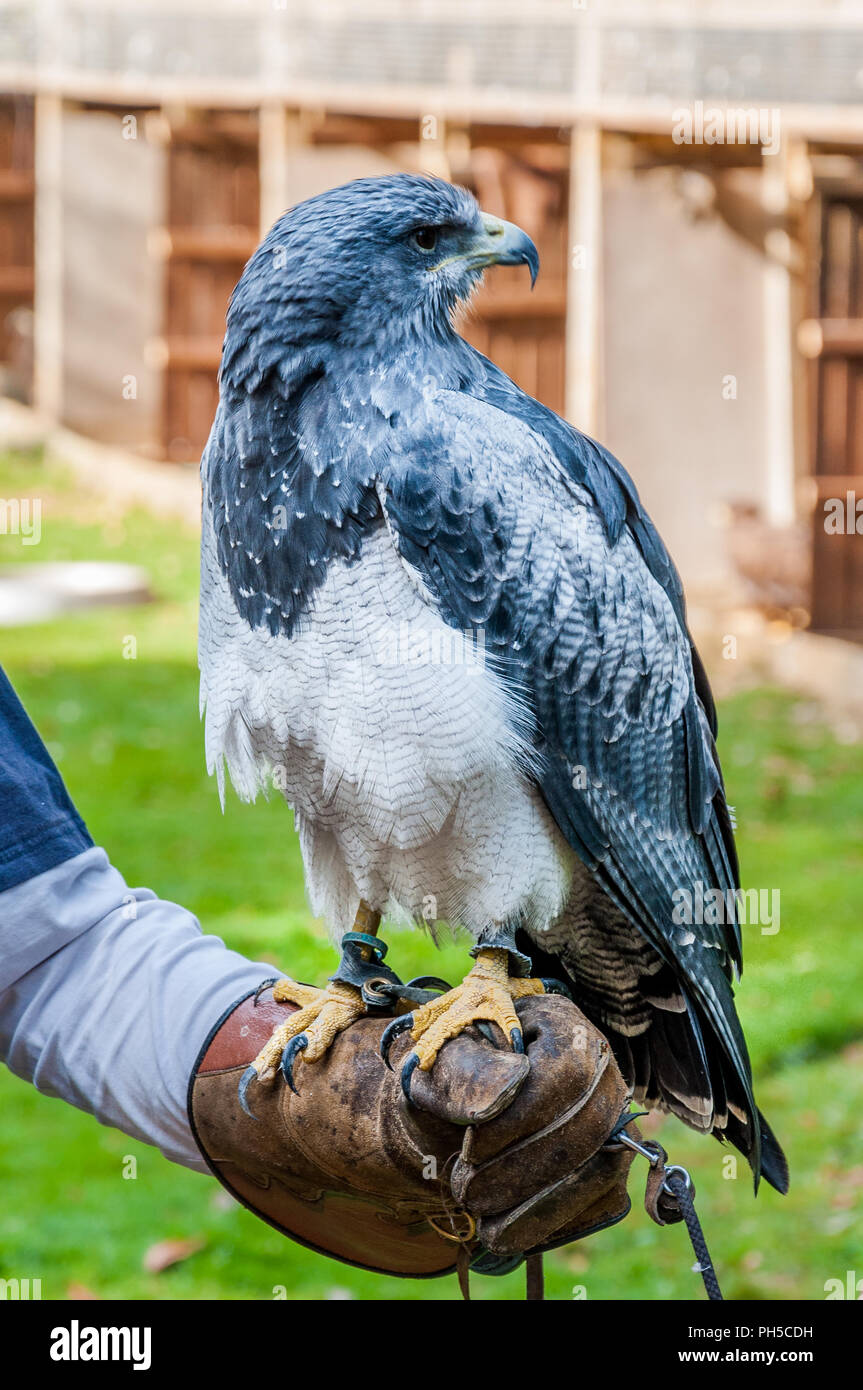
point(107, 994)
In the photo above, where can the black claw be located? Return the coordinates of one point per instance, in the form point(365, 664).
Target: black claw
point(517, 1040)
point(391, 1032)
point(293, 1049)
point(408, 1070)
point(556, 987)
point(248, 1076)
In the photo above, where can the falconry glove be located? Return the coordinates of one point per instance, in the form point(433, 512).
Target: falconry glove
point(496, 1154)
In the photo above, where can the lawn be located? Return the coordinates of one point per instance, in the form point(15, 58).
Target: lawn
point(126, 735)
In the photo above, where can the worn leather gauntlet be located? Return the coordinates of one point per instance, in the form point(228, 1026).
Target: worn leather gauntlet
point(499, 1154)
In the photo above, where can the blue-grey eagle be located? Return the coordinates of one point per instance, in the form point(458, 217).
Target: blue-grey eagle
point(438, 618)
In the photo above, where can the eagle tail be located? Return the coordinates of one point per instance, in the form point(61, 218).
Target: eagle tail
point(774, 1164)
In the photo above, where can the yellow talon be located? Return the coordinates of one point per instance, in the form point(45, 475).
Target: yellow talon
point(485, 995)
point(322, 1015)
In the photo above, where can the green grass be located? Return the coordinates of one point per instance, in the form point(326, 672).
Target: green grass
point(127, 738)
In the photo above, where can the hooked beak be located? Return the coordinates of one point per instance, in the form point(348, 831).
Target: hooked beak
point(499, 243)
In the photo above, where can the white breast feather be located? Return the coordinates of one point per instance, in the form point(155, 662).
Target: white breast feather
point(397, 745)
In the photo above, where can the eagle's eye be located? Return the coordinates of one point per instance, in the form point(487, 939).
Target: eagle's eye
point(425, 238)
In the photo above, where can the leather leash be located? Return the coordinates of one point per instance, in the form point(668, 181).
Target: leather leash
point(670, 1197)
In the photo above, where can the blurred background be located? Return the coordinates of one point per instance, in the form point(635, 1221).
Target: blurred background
point(692, 174)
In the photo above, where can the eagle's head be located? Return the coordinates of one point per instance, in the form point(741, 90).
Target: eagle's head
point(387, 256)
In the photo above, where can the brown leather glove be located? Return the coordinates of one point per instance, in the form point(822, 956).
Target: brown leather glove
point(499, 1153)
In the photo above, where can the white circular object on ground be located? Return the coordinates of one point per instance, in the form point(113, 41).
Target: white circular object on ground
point(35, 593)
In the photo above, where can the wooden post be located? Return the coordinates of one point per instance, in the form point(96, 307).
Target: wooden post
point(433, 136)
point(779, 499)
point(48, 295)
point(584, 279)
point(273, 154)
point(281, 133)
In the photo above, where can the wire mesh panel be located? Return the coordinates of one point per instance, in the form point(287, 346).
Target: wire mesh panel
point(647, 52)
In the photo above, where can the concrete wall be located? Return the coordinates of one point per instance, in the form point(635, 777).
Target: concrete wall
point(683, 310)
point(113, 194)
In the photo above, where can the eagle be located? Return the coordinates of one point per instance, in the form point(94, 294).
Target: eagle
point(437, 618)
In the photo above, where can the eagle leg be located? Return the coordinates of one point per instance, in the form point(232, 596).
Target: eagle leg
point(322, 1013)
point(486, 994)
point(321, 1016)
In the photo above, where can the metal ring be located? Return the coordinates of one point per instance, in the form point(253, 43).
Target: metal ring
point(675, 1168)
point(379, 990)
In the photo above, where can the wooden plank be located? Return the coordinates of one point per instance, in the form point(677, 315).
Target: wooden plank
point(811, 301)
point(17, 189)
point(185, 352)
point(829, 606)
point(657, 150)
point(840, 125)
point(213, 200)
point(834, 340)
point(837, 559)
point(231, 244)
point(523, 331)
point(831, 337)
point(17, 280)
point(837, 484)
point(362, 129)
point(220, 131)
point(17, 185)
point(835, 302)
point(827, 559)
point(833, 426)
point(546, 301)
point(839, 242)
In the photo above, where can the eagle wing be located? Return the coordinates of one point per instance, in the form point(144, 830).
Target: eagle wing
point(523, 528)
